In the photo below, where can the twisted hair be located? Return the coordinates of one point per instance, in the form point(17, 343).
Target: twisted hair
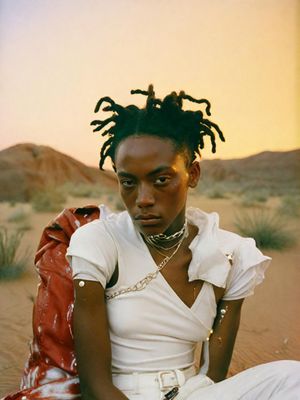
point(163, 118)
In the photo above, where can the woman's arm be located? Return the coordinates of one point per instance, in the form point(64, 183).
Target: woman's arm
point(92, 343)
point(218, 351)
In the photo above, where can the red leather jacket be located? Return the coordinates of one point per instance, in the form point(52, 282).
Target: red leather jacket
point(50, 372)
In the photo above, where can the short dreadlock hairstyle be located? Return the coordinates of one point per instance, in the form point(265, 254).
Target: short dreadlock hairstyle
point(163, 118)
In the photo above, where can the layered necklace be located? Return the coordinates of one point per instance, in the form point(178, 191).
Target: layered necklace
point(162, 241)
point(157, 242)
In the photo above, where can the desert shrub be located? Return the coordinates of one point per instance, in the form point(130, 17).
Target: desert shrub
point(247, 201)
point(25, 226)
point(268, 229)
point(215, 193)
point(49, 200)
point(19, 215)
point(290, 205)
point(12, 265)
point(261, 196)
point(214, 190)
point(254, 198)
point(82, 190)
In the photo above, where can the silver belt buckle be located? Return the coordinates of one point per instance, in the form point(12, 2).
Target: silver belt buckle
point(173, 380)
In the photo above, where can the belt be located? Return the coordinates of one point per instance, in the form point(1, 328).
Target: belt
point(164, 380)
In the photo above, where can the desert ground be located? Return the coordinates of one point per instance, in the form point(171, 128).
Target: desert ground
point(270, 325)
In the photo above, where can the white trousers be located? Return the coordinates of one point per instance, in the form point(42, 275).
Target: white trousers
point(278, 380)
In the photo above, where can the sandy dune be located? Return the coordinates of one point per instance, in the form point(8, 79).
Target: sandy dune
point(270, 327)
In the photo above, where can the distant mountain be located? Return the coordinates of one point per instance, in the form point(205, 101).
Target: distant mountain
point(277, 172)
point(26, 168)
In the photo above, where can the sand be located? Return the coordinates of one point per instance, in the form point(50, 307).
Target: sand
point(270, 325)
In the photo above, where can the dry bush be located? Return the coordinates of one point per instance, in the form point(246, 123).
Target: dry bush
point(88, 190)
point(290, 206)
point(49, 200)
point(268, 229)
point(215, 191)
point(21, 217)
point(12, 264)
point(18, 215)
point(254, 198)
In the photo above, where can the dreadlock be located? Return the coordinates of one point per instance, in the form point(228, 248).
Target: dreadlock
point(163, 118)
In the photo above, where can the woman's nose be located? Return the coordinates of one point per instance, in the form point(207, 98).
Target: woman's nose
point(145, 197)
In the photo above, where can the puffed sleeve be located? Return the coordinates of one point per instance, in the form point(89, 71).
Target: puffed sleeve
point(92, 253)
point(247, 270)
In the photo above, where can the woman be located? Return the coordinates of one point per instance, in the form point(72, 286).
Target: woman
point(156, 279)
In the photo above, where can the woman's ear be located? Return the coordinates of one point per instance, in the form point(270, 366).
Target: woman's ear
point(194, 174)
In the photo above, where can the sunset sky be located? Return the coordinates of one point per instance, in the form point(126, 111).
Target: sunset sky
point(58, 57)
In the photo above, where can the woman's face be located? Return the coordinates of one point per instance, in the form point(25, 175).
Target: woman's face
point(154, 180)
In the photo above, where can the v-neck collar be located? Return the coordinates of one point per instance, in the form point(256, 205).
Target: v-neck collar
point(179, 300)
point(208, 262)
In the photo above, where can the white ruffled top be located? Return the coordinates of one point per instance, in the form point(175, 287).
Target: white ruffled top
point(153, 329)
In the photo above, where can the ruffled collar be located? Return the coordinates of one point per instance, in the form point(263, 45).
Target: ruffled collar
point(208, 263)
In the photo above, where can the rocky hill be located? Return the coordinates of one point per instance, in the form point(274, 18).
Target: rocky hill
point(277, 172)
point(28, 168)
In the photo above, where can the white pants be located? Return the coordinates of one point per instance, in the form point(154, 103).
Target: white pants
point(279, 380)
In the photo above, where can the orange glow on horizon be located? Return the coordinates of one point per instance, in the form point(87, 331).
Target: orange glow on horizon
point(59, 58)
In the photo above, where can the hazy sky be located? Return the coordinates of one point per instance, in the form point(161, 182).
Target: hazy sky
point(57, 57)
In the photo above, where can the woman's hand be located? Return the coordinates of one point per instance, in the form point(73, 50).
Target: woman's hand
point(92, 343)
point(218, 351)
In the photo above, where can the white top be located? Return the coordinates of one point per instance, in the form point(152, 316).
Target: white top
point(153, 329)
